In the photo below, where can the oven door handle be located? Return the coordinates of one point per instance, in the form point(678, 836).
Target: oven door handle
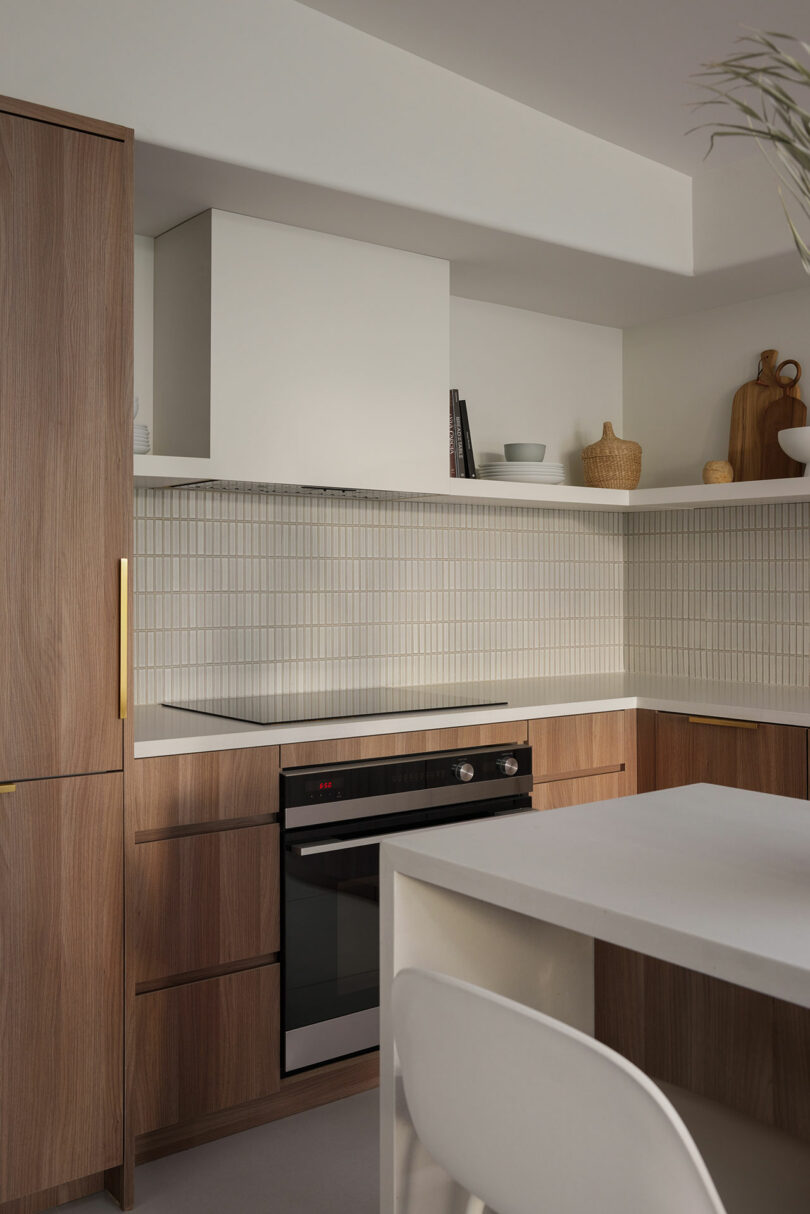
point(317, 849)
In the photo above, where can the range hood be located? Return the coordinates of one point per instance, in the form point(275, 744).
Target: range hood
point(262, 487)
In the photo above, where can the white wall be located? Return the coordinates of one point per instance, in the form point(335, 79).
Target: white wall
point(276, 86)
point(534, 378)
point(680, 377)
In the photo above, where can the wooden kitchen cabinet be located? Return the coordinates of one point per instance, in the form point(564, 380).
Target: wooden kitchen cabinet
point(582, 758)
point(556, 794)
point(204, 901)
point(176, 791)
point(65, 439)
point(61, 896)
point(738, 754)
point(206, 1046)
point(569, 747)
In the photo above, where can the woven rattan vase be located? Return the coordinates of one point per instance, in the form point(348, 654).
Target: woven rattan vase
point(612, 463)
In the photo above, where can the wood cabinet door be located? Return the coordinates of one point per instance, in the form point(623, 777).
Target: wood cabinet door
point(61, 906)
point(204, 901)
point(65, 444)
point(206, 1046)
point(216, 786)
point(738, 754)
point(556, 794)
point(565, 748)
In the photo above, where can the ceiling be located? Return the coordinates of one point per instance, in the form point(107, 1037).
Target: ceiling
point(619, 70)
point(171, 186)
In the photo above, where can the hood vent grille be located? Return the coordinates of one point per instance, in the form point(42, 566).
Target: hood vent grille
point(296, 490)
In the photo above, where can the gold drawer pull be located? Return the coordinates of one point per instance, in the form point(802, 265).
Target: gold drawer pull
point(122, 615)
point(721, 721)
point(8, 788)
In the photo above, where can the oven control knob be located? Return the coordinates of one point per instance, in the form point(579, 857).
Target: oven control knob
point(508, 765)
point(464, 772)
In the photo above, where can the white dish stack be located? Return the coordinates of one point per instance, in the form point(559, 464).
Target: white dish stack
point(141, 435)
point(142, 439)
point(524, 470)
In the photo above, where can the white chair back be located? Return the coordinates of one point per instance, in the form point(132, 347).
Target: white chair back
point(534, 1117)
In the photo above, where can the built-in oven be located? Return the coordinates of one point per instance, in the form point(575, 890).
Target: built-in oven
point(333, 819)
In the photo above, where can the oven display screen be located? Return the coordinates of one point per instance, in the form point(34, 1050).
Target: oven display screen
point(322, 788)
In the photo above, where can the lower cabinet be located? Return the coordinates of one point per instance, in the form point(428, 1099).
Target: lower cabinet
point(587, 757)
point(61, 905)
point(555, 794)
point(206, 1046)
point(737, 754)
point(203, 902)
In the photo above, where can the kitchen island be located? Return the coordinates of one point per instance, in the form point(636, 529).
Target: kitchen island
point(712, 879)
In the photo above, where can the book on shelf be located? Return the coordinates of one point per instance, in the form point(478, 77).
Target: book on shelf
point(459, 462)
point(469, 458)
point(453, 463)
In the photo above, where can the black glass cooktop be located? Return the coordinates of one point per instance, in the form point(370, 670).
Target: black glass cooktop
point(331, 705)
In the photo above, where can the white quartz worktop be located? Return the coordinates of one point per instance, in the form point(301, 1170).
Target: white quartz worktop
point(714, 879)
point(168, 731)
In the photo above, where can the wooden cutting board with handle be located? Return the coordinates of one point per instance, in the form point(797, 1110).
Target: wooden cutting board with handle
point(753, 448)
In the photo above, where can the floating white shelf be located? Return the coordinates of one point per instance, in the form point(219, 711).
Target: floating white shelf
point(671, 497)
point(158, 471)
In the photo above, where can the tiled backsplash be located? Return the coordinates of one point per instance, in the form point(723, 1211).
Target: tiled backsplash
point(720, 594)
point(247, 594)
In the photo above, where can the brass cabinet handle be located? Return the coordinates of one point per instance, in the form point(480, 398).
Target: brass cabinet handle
point(122, 615)
point(722, 721)
point(8, 788)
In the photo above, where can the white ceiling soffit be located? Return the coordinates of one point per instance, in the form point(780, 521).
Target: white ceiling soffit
point(486, 264)
point(618, 70)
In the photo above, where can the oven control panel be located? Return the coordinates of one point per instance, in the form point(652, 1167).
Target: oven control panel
point(390, 777)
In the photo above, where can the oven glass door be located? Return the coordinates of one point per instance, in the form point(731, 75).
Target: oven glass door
point(330, 963)
point(331, 953)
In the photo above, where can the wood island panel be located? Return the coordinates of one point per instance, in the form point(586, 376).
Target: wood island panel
point(61, 1005)
point(65, 443)
point(722, 1041)
point(204, 901)
point(383, 746)
point(215, 786)
point(206, 1046)
point(570, 747)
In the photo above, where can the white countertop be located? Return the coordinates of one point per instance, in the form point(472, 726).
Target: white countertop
point(714, 879)
point(169, 731)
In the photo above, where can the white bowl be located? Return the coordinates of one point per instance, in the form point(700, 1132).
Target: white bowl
point(795, 442)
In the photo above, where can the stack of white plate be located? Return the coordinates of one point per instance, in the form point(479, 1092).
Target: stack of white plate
point(533, 473)
point(142, 440)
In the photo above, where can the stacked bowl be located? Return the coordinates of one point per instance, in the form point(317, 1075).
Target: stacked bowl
point(524, 462)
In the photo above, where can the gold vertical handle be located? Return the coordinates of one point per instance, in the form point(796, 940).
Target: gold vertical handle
point(122, 616)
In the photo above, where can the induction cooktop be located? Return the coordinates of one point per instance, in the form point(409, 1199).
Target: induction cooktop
point(332, 705)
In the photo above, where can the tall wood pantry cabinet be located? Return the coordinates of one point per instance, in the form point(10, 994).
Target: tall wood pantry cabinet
point(66, 498)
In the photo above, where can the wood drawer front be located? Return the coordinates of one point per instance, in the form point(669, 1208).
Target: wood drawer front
point(183, 790)
point(568, 746)
point(738, 754)
point(206, 1046)
point(204, 901)
point(381, 746)
point(555, 794)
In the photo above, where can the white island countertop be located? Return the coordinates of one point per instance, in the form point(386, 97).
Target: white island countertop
point(713, 879)
point(168, 731)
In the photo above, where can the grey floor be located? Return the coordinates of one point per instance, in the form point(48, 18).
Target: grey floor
point(324, 1161)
